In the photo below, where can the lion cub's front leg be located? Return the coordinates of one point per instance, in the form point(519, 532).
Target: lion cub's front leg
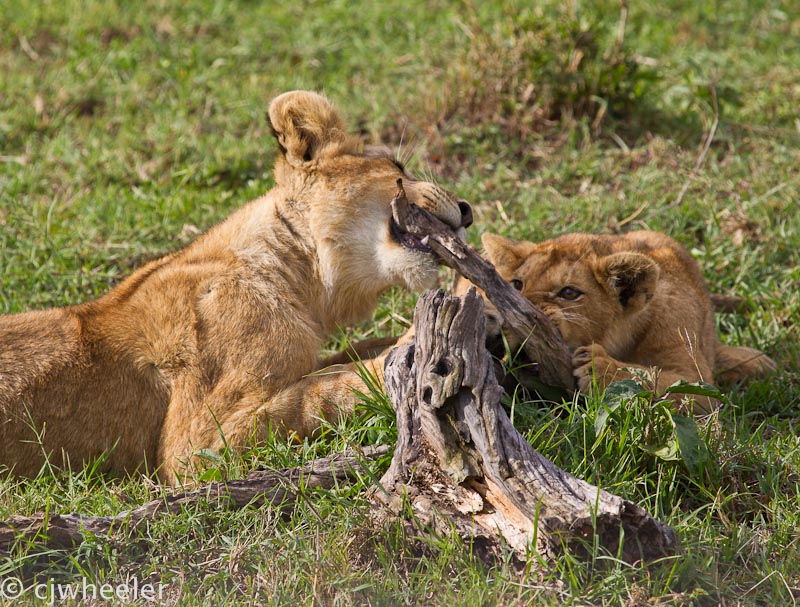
point(237, 416)
point(593, 363)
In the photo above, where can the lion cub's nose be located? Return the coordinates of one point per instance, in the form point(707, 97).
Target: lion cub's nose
point(466, 213)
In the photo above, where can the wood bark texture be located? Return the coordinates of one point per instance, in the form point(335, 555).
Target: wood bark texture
point(278, 488)
point(543, 344)
point(460, 464)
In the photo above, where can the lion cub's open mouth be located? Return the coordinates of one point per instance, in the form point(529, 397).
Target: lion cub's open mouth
point(409, 241)
point(407, 234)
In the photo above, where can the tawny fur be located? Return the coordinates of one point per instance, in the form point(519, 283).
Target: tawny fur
point(643, 304)
point(216, 343)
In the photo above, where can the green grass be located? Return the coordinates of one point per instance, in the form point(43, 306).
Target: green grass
point(127, 127)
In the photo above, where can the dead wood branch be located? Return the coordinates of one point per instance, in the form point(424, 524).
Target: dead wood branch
point(529, 325)
point(278, 488)
point(460, 465)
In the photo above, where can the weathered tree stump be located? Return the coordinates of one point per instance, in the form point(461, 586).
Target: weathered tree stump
point(460, 464)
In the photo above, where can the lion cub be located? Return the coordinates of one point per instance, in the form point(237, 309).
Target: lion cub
point(623, 303)
point(212, 345)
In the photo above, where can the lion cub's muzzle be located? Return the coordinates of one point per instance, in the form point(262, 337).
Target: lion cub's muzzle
point(455, 212)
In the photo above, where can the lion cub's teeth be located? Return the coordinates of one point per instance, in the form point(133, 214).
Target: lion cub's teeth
point(425, 240)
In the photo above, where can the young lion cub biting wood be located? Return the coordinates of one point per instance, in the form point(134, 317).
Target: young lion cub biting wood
point(216, 343)
point(623, 303)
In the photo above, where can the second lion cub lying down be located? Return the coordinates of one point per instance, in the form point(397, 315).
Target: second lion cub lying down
point(623, 303)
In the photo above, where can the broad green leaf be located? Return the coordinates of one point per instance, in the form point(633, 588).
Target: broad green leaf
point(693, 450)
point(212, 474)
point(614, 396)
point(666, 451)
point(626, 389)
point(698, 389)
point(210, 455)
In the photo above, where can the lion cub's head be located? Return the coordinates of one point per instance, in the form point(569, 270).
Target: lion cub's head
point(592, 293)
point(342, 190)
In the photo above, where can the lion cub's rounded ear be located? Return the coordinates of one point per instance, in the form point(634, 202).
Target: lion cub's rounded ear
point(306, 125)
point(632, 277)
point(505, 254)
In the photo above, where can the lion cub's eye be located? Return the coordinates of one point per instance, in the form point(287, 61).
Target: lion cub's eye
point(517, 284)
point(569, 293)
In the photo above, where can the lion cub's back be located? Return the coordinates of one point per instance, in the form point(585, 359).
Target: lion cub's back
point(35, 345)
point(38, 351)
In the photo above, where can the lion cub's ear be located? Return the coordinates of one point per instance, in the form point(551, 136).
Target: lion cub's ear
point(505, 254)
point(306, 125)
point(631, 277)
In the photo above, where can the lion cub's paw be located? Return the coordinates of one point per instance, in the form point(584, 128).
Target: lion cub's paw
point(594, 363)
